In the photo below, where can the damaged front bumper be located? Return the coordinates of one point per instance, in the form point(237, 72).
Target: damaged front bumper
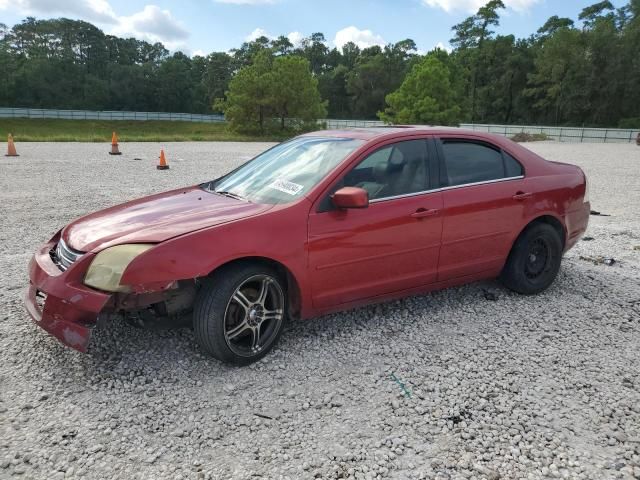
point(59, 302)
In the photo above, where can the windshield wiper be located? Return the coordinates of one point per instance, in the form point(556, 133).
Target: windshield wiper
point(230, 194)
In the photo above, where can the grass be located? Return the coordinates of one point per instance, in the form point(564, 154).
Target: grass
point(55, 130)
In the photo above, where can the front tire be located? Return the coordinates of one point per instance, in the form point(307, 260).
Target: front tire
point(534, 261)
point(239, 313)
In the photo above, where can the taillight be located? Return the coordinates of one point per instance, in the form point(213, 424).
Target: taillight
point(586, 190)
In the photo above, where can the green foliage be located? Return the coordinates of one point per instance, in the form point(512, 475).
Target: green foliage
point(587, 73)
point(553, 24)
point(71, 64)
point(425, 97)
point(376, 73)
point(629, 123)
point(294, 91)
point(272, 87)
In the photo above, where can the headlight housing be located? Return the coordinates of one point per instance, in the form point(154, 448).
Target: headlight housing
point(107, 268)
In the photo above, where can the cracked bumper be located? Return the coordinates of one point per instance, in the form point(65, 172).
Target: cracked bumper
point(58, 301)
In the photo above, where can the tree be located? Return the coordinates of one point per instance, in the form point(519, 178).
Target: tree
point(244, 55)
point(247, 104)
point(557, 84)
point(592, 13)
point(282, 45)
point(470, 37)
point(272, 87)
point(582, 74)
point(7, 68)
point(553, 24)
point(333, 87)
point(425, 97)
point(175, 87)
point(378, 72)
point(217, 75)
point(294, 91)
point(315, 50)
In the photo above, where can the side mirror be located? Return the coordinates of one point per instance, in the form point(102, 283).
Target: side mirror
point(351, 197)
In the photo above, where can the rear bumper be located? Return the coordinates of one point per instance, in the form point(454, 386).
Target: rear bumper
point(59, 303)
point(576, 223)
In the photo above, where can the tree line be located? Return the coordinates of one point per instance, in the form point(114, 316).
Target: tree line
point(573, 72)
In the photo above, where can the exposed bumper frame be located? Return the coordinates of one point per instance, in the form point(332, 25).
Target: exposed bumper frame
point(70, 309)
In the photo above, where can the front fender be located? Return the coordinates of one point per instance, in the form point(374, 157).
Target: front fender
point(280, 235)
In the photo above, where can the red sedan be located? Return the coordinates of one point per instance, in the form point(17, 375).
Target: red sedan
point(321, 223)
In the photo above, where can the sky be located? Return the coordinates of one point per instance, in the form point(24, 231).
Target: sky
point(198, 27)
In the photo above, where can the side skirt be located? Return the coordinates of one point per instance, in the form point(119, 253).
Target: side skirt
point(454, 282)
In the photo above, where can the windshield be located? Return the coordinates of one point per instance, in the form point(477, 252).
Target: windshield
point(287, 171)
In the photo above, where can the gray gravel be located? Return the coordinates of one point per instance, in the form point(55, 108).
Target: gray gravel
point(449, 385)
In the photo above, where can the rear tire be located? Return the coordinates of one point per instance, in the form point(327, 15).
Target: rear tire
point(239, 313)
point(534, 261)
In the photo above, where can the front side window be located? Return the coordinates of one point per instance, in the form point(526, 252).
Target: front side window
point(397, 169)
point(468, 162)
point(287, 171)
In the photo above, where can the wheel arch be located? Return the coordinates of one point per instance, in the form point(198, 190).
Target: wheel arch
point(510, 274)
point(549, 219)
point(557, 225)
point(294, 294)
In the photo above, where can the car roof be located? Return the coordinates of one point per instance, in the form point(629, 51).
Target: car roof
point(370, 133)
point(376, 134)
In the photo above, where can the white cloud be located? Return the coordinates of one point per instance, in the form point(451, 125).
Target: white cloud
point(362, 38)
point(472, 6)
point(91, 10)
point(295, 38)
point(198, 53)
point(153, 25)
point(444, 46)
point(257, 33)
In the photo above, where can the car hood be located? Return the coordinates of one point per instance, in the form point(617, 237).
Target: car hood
point(156, 218)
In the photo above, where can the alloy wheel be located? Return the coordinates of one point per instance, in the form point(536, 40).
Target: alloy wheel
point(253, 315)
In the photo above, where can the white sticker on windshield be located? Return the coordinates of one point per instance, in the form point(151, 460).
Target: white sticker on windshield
point(286, 186)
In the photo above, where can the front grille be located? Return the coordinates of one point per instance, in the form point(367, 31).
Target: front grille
point(63, 255)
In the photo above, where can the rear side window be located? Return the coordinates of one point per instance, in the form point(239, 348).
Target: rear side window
point(512, 166)
point(468, 162)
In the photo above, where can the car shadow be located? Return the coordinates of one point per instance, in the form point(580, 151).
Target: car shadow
point(384, 318)
point(121, 347)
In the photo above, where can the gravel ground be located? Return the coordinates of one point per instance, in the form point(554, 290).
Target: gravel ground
point(456, 384)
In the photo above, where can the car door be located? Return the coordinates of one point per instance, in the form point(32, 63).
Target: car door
point(391, 245)
point(484, 200)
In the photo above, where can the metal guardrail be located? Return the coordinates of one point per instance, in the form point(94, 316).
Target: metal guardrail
point(121, 115)
point(337, 124)
point(106, 115)
point(562, 134)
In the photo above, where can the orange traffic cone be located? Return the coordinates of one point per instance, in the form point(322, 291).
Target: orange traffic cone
point(163, 162)
point(114, 145)
point(11, 147)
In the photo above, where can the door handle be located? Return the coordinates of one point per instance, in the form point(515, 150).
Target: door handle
point(423, 212)
point(522, 196)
